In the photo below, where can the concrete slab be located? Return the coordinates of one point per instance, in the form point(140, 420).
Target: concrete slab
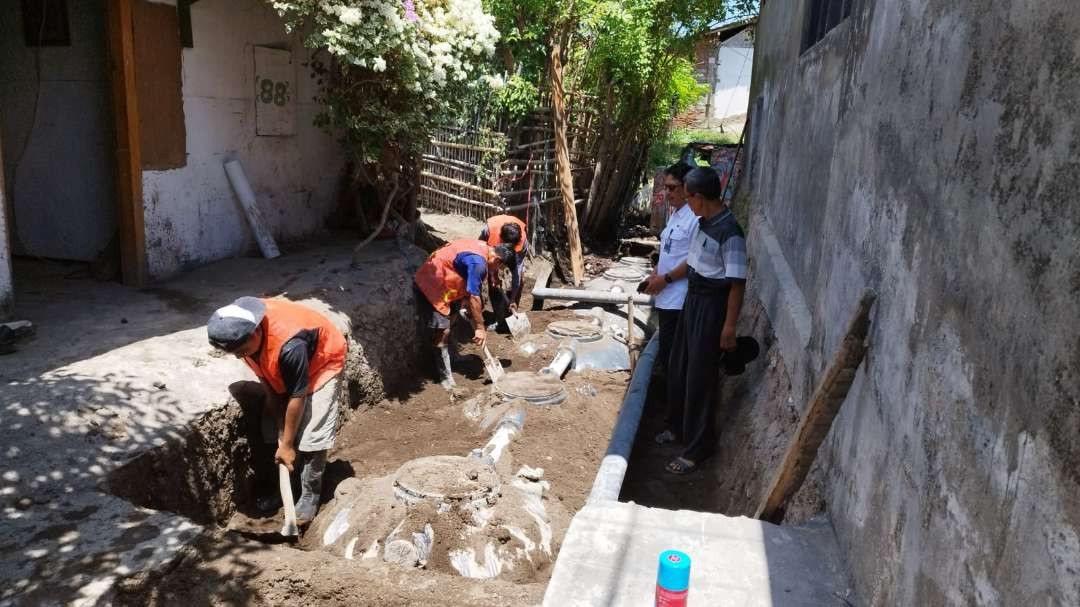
point(113, 372)
point(609, 557)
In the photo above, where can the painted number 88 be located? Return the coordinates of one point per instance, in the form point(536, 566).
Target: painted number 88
point(273, 92)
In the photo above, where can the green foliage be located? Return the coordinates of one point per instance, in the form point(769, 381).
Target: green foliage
point(665, 150)
point(517, 97)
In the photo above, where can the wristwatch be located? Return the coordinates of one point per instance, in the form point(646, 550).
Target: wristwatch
point(667, 278)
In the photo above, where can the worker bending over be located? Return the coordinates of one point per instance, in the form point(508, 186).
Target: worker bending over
point(450, 274)
point(298, 356)
point(506, 229)
point(715, 269)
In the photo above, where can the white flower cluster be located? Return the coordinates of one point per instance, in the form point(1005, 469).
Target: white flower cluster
point(430, 46)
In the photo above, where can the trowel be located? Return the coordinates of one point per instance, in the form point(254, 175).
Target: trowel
point(290, 528)
point(519, 325)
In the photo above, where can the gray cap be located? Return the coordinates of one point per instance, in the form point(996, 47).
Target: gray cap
point(231, 326)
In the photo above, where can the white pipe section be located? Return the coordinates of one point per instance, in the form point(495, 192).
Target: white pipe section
point(591, 296)
point(609, 478)
point(509, 427)
point(564, 356)
point(246, 195)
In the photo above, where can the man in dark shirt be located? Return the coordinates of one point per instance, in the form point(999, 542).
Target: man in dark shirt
point(716, 270)
point(506, 229)
point(298, 356)
point(454, 273)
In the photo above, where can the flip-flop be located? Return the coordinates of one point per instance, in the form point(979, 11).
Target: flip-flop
point(665, 437)
point(680, 466)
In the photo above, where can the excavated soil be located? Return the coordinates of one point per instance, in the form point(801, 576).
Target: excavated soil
point(567, 441)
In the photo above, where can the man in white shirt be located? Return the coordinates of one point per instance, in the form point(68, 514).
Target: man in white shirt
point(716, 267)
point(669, 290)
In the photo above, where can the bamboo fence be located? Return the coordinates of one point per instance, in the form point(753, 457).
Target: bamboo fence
point(511, 169)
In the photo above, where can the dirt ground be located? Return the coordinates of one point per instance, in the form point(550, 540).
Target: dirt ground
point(567, 441)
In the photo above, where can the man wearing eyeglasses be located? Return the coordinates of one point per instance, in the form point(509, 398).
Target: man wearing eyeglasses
point(716, 269)
point(667, 284)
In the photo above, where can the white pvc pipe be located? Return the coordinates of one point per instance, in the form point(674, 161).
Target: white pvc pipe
point(564, 356)
point(246, 195)
point(591, 296)
point(609, 478)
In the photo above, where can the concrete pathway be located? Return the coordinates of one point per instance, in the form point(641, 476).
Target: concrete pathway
point(115, 371)
point(609, 558)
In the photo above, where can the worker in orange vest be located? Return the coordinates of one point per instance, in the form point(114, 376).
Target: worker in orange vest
point(506, 229)
point(451, 274)
point(298, 356)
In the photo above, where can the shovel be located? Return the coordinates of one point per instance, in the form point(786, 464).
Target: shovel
point(289, 529)
point(519, 325)
point(492, 365)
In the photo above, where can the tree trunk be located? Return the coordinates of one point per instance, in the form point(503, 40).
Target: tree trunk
point(562, 163)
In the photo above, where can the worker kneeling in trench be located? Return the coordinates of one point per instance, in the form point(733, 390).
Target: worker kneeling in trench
point(298, 356)
point(452, 273)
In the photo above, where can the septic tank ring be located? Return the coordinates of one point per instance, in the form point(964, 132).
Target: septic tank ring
point(580, 330)
point(534, 388)
point(626, 273)
point(446, 479)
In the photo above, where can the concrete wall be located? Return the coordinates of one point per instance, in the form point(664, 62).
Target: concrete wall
point(734, 65)
point(64, 200)
point(731, 63)
point(191, 214)
point(929, 149)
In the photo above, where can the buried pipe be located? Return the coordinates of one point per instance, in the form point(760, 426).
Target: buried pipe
point(509, 426)
point(609, 478)
point(591, 296)
point(564, 357)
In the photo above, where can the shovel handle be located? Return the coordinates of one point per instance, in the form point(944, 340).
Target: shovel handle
point(285, 485)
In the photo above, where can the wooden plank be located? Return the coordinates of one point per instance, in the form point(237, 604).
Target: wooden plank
point(562, 162)
point(159, 94)
point(465, 201)
point(461, 184)
point(7, 296)
point(127, 149)
point(820, 413)
point(462, 146)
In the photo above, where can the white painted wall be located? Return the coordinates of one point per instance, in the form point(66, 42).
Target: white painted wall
point(191, 214)
point(734, 63)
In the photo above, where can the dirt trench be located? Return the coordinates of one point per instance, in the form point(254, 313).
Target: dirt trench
point(216, 469)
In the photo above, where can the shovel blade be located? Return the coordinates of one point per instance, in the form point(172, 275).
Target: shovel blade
point(492, 365)
point(519, 325)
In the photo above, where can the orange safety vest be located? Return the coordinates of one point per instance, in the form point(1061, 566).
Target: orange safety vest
point(437, 278)
point(283, 320)
point(494, 226)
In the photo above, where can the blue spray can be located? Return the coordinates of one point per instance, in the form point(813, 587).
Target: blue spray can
point(673, 579)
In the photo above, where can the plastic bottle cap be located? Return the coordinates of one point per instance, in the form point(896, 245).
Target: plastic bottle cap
point(674, 571)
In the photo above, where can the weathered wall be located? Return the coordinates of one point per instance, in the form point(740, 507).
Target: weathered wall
point(731, 63)
point(64, 201)
point(929, 149)
point(191, 214)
